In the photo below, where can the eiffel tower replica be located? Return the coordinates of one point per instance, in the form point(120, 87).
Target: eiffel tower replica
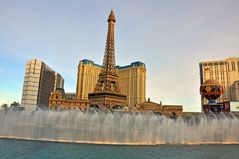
point(107, 93)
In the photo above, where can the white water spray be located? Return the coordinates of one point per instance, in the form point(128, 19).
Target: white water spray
point(118, 128)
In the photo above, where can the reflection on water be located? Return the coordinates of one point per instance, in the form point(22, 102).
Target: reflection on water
point(118, 128)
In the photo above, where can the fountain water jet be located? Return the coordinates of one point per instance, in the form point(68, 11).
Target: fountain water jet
point(118, 128)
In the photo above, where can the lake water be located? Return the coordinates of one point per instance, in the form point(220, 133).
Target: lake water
point(24, 149)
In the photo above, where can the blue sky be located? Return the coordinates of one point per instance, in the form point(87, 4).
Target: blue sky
point(170, 36)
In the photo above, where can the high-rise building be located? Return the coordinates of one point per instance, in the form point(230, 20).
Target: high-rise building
point(226, 72)
point(39, 81)
point(59, 81)
point(132, 80)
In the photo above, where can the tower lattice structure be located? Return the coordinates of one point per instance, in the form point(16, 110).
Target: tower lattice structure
point(107, 90)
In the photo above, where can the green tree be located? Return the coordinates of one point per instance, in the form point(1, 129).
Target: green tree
point(4, 106)
point(15, 106)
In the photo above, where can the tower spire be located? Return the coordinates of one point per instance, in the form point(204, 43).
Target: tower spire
point(107, 90)
point(109, 57)
point(112, 16)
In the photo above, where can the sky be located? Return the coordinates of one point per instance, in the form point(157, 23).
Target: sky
point(170, 36)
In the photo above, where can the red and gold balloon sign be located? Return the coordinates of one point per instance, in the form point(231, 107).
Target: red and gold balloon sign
point(211, 89)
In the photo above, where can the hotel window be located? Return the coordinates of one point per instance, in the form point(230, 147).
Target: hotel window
point(222, 76)
point(211, 74)
point(216, 74)
point(233, 66)
point(221, 63)
point(227, 77)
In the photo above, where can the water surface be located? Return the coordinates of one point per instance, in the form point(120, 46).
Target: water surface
point(23, 149)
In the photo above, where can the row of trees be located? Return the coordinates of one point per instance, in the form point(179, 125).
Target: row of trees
point(13, 106)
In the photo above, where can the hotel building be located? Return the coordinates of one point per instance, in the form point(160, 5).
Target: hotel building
point(132, 80)
point(39, 81)
point(226, 72)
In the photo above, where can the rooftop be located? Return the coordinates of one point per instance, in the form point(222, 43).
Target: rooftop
point(222, 60)
point(133, 64)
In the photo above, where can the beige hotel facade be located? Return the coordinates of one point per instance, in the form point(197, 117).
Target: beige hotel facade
point(226, 72)
point(132, 80)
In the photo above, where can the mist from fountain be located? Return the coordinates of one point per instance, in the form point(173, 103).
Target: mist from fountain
point(118, 128)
